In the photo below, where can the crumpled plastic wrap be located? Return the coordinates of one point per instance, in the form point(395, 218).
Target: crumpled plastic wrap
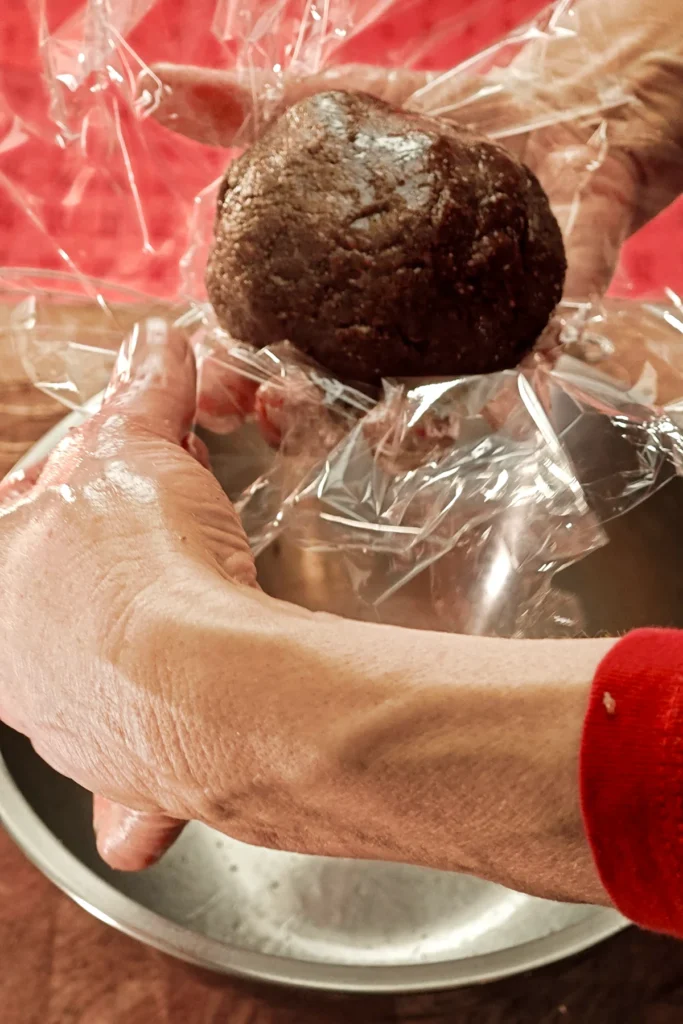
point(444, 504)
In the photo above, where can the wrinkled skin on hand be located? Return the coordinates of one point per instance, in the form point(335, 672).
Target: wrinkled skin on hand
point(120, 516)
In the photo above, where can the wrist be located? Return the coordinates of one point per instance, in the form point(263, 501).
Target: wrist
point(466, 754)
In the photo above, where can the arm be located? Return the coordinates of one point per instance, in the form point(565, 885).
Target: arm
point(552, 767)
point(141, 661)
point(357, 740)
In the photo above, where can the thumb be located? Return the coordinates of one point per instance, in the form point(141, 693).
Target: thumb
point(132, 840)
point(223, 108)
point(592, 195)
point(154, 380)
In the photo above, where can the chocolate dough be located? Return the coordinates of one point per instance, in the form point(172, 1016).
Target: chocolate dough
point(384, 244)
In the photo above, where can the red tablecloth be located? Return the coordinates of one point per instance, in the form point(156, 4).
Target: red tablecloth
point(117, 200)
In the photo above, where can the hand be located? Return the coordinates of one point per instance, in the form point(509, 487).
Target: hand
point(593, 107)
point(88, 538)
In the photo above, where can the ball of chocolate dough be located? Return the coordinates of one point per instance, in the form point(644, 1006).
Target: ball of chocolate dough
point(384, 244)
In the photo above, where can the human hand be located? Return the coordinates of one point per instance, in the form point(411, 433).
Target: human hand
point(593, 106)
point(88, 539)
point(592, 103)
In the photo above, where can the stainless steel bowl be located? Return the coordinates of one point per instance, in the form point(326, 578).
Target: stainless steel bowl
point(327, 923)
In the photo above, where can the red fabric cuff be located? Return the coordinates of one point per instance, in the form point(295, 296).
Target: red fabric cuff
point(632, 777)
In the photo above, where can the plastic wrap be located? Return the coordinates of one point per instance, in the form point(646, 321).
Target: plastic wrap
point(468, 495)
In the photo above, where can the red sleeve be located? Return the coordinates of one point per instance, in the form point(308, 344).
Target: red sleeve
point(632, 777)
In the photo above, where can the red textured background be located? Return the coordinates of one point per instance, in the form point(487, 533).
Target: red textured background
point(117, 202)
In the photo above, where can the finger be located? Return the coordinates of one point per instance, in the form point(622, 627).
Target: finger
point(407, 430)
point(288, 406)
point(225, 108)
point(225, 396)
point(393, 85)
point(592, 246)
point(270, 412)
point(592, 193)
point(154, 380)
point(485, 104)
point(203, 104)
point(661, 183)
point(297, 416)
point(132, 840)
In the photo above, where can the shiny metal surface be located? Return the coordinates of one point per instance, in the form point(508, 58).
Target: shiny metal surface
point(328, 923)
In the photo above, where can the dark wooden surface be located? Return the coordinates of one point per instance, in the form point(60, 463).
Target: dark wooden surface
point(60, 966)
